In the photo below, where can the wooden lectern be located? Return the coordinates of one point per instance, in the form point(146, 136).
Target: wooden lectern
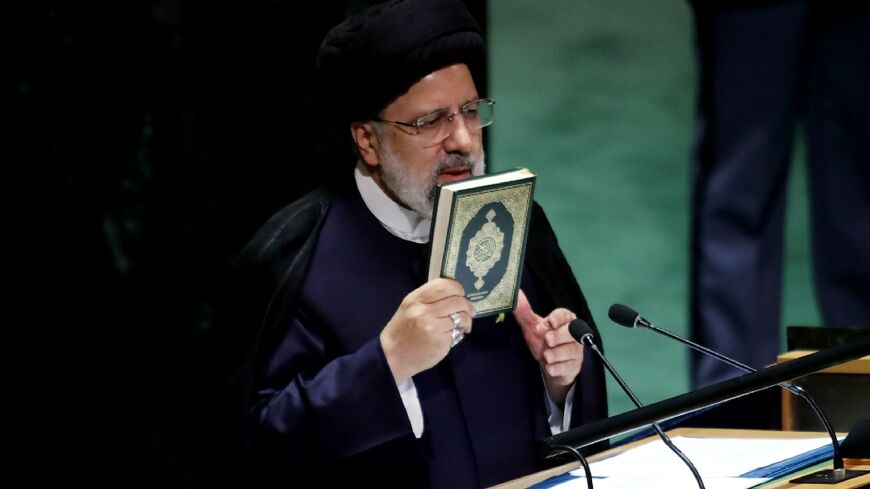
point(842, 391)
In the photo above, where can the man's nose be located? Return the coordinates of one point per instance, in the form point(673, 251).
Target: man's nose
point(460, 138)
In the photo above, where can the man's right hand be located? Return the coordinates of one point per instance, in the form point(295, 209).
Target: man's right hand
point(419, 334)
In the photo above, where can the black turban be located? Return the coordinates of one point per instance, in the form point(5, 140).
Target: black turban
point(370, 59)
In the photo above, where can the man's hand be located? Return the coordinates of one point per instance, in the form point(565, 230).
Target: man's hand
point(552, 345)
point(419, 334)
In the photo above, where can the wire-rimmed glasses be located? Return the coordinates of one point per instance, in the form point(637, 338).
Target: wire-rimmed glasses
point(436, 126)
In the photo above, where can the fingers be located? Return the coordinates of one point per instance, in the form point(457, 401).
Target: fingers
point(445, 307)
point(437, 290)
point(563, 362)
point(422, 332)
point(440, 298)
point(562, 353)
point(563, 373)
point(524, 313)
point(560, 336)
point(562, 356)
point(560, 317)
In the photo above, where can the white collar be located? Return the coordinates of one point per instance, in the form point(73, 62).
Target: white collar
point(399, 221)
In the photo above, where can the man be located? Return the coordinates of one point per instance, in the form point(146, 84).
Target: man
point(765, 68)
point(362, 371)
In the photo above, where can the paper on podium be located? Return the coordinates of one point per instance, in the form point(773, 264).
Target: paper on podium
point(658, 481)
point(720, 461)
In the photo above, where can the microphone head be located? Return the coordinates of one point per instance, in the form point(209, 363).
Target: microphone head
point(623, 315)
point(579, 330)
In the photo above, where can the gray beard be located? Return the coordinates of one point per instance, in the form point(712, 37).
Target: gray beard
point(419, 196)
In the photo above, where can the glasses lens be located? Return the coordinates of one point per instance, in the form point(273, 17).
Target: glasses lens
point(434, 125)
point(478, 113)
point(437, 125)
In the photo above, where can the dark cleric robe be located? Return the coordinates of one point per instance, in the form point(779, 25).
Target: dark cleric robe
point(317, 284)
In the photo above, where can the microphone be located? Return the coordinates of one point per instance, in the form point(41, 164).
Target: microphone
point(582, 333)
point(628, 317)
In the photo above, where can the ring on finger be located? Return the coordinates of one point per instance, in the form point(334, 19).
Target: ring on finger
point(456, 335)
point(457, 320)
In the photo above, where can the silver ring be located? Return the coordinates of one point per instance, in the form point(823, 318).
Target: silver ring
point(456, 335)
point(457, 321)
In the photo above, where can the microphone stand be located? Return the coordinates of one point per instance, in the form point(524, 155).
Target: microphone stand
point(838, 473)
point(586, 338)
point(582, 461)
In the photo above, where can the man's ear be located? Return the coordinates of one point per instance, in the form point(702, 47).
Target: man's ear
point(367, 142)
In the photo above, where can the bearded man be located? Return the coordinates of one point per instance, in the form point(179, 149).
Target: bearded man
point(357, 372)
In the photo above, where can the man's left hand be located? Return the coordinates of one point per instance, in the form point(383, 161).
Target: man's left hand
point(552, 345)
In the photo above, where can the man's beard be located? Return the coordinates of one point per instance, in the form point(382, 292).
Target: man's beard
point(420, 195)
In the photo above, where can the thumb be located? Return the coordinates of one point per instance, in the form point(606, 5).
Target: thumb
point(524, 313)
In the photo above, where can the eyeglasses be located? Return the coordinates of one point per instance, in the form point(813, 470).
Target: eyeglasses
point(436, 126)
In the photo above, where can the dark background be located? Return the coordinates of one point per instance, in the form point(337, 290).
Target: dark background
point(143, 143)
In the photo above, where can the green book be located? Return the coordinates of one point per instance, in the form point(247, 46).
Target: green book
point(478, 236)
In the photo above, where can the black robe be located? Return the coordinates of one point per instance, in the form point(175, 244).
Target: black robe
point(319, 399)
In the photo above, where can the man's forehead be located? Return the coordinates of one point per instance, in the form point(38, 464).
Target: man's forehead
point(446, 88)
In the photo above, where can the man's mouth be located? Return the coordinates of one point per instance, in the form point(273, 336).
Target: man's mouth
point(453, 174)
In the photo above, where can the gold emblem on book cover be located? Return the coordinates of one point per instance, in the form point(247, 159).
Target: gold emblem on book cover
point(484, 249)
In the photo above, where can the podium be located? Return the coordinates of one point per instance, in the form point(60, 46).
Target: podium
point(841, 390)
point(782, 483)
point(713, 452)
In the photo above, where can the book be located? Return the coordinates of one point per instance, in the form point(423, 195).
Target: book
point(478, 236)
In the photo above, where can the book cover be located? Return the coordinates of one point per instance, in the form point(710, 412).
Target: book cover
point(478, 236)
